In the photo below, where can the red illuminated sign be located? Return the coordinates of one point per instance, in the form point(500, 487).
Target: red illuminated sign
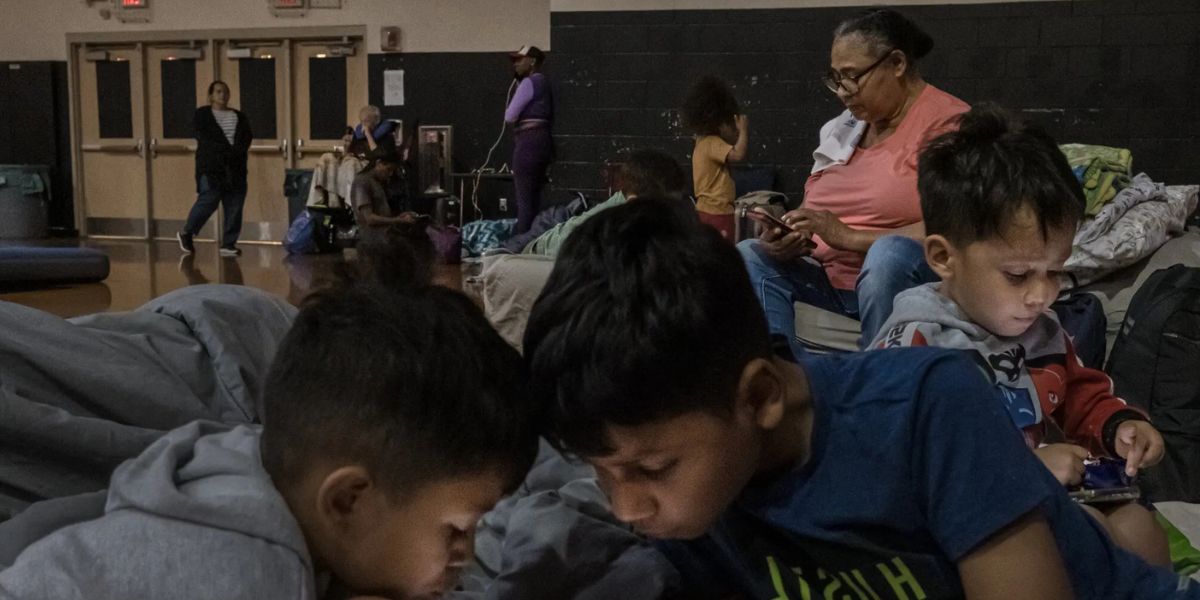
point(134, 3)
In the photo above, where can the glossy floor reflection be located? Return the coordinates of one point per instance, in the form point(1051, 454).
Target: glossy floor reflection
point(141, 271)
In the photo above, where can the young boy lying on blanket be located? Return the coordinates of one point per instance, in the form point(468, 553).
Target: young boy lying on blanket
point(1001, 207)
point(879, 475)
point(394, 418)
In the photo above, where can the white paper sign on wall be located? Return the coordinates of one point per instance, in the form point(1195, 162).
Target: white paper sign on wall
point(393, 87)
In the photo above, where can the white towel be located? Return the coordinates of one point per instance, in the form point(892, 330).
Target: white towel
point(839, 139)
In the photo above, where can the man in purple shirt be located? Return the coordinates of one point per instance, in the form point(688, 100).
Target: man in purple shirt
point(531, 112)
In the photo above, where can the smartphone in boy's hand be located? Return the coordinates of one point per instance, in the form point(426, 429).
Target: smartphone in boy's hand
point(1105, 481)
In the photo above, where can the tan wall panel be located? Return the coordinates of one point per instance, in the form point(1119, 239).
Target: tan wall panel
point(116, 185)
point(114, 182)
point(174, 185)
point(264, 196)
point(356, 95)
point(356, 86)
point(89, 123)
point(36, 30)
point(204, 77)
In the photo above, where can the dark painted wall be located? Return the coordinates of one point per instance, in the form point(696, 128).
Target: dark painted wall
point(467, 90)
point(35, 128)
point(1115, 72)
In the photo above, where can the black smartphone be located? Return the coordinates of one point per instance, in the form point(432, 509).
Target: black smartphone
point(1117, 494)
point(770, 220)
point(765, 217)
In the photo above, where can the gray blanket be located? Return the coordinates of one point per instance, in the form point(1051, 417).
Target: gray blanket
point(555, 538)
point(78, 397)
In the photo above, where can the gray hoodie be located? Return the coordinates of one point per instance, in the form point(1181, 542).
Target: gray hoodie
point(194, 516)
point(1037, 373)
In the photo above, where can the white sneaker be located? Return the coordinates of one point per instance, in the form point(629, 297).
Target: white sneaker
point(185, 242)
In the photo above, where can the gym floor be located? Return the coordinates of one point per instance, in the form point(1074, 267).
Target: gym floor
point(143, 270)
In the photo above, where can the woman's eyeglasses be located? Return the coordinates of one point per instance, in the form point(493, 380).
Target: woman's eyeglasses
point(834, 80)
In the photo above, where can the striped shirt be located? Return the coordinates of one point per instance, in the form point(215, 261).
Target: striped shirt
point(227, 119)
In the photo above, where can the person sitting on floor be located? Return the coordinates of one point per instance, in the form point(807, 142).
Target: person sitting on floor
point(384, 440)
point(888, 475)
point(334, 175)
point(369, 198)
point(644, 173)
point(511, 283)
point(860, 201)
point(1001, 206)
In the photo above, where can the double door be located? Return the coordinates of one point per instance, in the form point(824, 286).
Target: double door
point(133, 115)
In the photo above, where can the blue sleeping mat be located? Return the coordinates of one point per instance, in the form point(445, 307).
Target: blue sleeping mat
point(24, 265)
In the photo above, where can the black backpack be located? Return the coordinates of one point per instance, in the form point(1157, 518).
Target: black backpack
point(1082, 317)
point(1155, 365)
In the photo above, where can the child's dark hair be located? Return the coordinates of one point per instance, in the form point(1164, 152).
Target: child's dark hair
point(709, 105)
point(386, 153)
point(403, 255)
point(884, 28)
point(974, 179)
point(212, 87)
point(647, 315)
point(410, 381)
point(652, 173)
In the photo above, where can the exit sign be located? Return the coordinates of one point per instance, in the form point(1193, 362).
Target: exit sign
point(288, 8)
point(132, 11)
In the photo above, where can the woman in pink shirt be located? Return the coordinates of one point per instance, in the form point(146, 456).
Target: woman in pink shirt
point(861, 206)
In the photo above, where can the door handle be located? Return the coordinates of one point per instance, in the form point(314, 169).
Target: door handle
point(283, 148)
point(153, 147)
point(299, 148)
point(141, 148)
point(110, 147)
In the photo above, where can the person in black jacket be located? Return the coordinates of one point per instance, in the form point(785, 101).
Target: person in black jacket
point(223, 142)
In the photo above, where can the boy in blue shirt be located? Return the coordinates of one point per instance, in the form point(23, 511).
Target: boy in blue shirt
point(883, 475)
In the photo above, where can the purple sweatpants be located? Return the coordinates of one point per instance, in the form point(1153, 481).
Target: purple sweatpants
point(533, 151)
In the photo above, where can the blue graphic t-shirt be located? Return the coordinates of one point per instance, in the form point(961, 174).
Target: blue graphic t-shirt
point(914, 463)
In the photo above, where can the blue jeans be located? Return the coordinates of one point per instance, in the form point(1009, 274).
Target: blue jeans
point(893, 264)
point(207, 200)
